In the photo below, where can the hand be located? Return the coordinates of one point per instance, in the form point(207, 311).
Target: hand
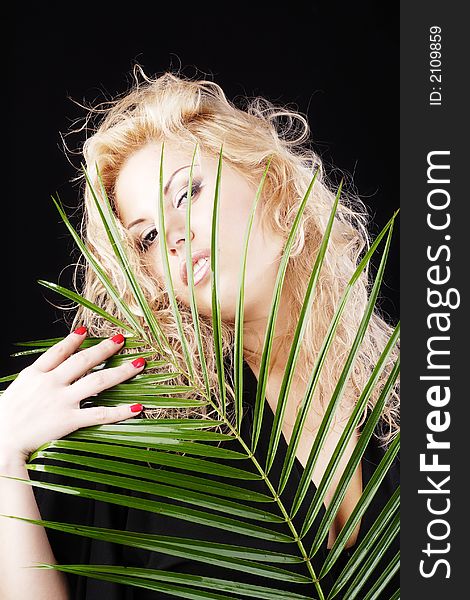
point(43, 402)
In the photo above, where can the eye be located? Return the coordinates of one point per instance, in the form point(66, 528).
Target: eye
point(195, 189)
point(147, 240)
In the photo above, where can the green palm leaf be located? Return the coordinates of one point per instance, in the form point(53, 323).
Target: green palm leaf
point(298, 336)
point(133, 576)
point(346, 435)
point(238, 342)
point(84, 302)
point(269, 336)
point(43, 345)
point(99, 270)
point(190, 273)
point(176, 493)
point(112, 232)
point(315, 376)
point(346, 478)
point(166, 269)
point(216, 317)
point(185, 481)
point(203, 470)
point(363, 549)
point(239, 558)
point(370, 564)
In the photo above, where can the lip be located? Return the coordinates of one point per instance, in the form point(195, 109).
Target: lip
point(200, 275)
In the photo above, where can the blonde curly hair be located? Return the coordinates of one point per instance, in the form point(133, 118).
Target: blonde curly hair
point(174, 108)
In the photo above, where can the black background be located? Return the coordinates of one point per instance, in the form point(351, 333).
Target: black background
point(336, 62)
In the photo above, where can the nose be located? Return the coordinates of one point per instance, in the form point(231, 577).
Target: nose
point(176, 237)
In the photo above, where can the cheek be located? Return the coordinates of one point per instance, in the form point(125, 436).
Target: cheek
point(263, 248)
point(155, 266)
point(232, 227)
point(264, 255)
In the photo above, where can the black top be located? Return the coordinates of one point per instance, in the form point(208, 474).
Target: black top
point(71, 549)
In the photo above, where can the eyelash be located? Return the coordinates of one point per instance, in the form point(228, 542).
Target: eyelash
point(145, 242)
point(196, 187)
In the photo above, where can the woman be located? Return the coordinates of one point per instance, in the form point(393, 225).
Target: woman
point(43, 403)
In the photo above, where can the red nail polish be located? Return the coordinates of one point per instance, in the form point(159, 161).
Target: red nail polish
point(136, 407)
point(80, 330)
point(118, 338)
point(138, 362)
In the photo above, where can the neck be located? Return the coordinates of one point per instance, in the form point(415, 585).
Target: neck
point(254, 331)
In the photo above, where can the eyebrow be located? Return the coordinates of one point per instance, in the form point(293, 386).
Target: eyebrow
point(165, 191)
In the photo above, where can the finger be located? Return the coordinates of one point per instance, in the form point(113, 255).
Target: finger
point(101, 415)
point(56, 354)
point(106, 378)
point(81, 362)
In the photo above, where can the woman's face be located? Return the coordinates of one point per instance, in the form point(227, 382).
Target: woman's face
point(136, 196)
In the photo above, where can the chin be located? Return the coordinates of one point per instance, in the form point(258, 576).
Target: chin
point(203, 294)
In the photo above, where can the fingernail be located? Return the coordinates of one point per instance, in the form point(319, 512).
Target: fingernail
point(136, 407)
point(138, 362)
point(118, 338)
point(80, 330)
